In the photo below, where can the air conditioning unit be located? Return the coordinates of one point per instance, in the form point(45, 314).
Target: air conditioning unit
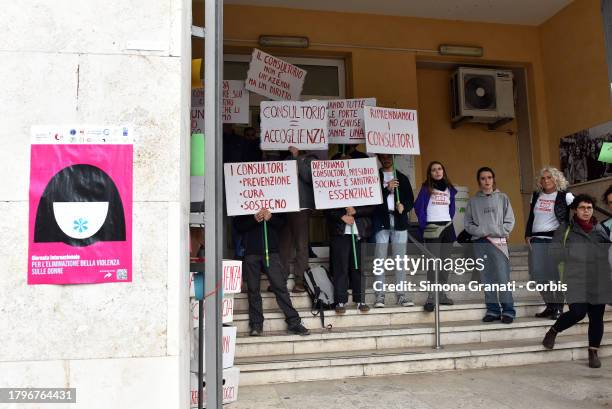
point(482, 95)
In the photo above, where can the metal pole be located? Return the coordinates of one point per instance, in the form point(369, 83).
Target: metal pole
point(213, 84)
point(200, 353)
point(437, 309)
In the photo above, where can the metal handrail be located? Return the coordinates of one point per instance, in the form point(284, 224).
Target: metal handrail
point(422, 248)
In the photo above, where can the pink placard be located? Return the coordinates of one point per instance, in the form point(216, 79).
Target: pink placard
point(80, 220)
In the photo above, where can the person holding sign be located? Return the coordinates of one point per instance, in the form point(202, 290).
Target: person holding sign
point(261, 232)
point(391, 223)
point(435, 209)
point(347, 227)
point(489, 219)
point(294, 234)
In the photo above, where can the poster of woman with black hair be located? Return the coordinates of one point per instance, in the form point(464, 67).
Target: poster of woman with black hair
point(80, 217)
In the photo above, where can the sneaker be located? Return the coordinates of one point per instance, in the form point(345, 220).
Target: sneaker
point(256, 332)
point(380, 302)
point(405, 301)
point(298, 329)
point(506, 319)
point(429, 307)
point(363, 307)
point(340, 308)
point(490, 318)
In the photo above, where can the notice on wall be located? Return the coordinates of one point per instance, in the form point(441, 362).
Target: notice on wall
point(347, 182)
point(252, 186)
point(274, 78)
point(80, 205)
point(299, 124)
point(345, 120)
point(235, 105)
point(393, 131)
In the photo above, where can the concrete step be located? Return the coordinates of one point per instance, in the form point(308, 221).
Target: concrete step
point(323, 366)
point(302, 300)
point(380, 338)
point(461, 311)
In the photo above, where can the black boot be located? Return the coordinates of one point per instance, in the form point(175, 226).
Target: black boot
point(547, 313)
point(549, 338)
point(594, 361)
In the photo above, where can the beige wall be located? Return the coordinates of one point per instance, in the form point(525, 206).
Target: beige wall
point(576, 80)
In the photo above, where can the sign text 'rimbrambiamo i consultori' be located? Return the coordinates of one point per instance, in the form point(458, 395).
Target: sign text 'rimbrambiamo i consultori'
point(392, 131)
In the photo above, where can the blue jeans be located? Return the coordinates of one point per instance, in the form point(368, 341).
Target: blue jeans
point(398, 239)
point(496, 271)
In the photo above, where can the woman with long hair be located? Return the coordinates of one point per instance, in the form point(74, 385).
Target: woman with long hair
point(435, 209)
point(549, 209)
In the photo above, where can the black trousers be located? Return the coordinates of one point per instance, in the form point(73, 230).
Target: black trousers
point(343, 268)
point(440, 247)
point(254, 265)
point(576, 313)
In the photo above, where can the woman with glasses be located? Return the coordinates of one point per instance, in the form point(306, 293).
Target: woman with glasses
point(584, 245)
point(548, 210)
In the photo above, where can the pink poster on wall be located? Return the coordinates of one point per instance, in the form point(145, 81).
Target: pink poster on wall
point(80, 217)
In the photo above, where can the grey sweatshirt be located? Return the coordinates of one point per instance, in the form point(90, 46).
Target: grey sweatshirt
point(489, 215)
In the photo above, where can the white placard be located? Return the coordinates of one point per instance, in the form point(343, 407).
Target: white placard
point(393, 131)
point(252, 186)
point(235, 105)
point(274, 78)
point(346, 182)
point(227, 310)
point(228, 348)
point(231, 377)
point(345, 120)
point(299, 124)
point(232, 278)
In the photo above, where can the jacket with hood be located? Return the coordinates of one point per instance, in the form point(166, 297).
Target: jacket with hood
point(489, 215)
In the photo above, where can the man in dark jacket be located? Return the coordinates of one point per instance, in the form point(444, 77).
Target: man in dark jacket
point(294, 234)
point(391, 223)
point(252, 226)
point(342, 224)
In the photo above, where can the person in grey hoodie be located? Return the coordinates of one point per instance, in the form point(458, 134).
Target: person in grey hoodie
point(489, 219)
point(294, 235)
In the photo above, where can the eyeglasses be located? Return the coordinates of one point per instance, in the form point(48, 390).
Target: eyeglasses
point(585, 208)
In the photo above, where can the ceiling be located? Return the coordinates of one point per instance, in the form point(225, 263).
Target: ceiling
point(525, 12)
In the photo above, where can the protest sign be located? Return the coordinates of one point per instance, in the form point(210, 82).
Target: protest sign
point(227, 310)
point(231, 377)
point(299, 124)
point(274, 78)
point(235, 105)
point(228, 348)
point(605, 155)
point(343, 183)
point(252, 186)
point(393, 131)
point(345, 120)
point(232, 278)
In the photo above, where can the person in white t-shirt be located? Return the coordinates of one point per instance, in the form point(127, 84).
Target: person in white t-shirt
point(549, 210)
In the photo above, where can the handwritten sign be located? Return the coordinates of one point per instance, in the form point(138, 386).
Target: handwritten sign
point(232, 278)
point(299, 124)
point(345, 117)
point(235, 105)
point(227, 310)
point(252, 186)
point(274, 78)
point(230, 380)
point(228, 348)
point(393, 131)
point(343, 183)
point(605, 155)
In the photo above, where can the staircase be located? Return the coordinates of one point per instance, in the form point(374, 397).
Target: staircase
point(399, 340)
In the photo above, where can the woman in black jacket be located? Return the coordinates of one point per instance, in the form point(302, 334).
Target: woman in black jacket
point(584, 246)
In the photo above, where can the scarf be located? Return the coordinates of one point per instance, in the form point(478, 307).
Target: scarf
point(440, 185)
